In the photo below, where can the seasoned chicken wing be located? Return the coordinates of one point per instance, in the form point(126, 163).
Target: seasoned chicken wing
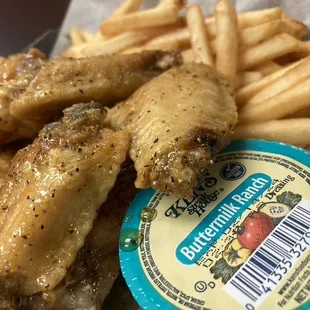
point(16, 73)
point(105, 79)
point(178, 122)
point(97, 263)
point(52, 195)
point(96, 266)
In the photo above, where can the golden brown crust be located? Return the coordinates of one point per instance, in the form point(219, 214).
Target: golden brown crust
point(178, 122)
point(16, 73)
point(104, 79)
point(51, 196)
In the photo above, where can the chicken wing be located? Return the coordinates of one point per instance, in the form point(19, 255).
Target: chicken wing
point(97, 264)
point(52, 195)
point(178, 122)
point(105, 79)
point(96, 267)
point(16, 73)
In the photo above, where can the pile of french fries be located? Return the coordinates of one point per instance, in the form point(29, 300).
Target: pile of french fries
point(261, 53)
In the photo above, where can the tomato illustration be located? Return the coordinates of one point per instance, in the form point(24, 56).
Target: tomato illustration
point(256, 227)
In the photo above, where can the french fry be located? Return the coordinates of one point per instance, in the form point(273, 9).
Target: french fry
point(248, 19)
point(248, 36)
point(303, 51)
point(138, 49)
point(110, 46)
point(300, 114)
point(88, 36)
point(268, 67)
point(280, 106)
point(181, 36)
point(127, 42)
point(226, 40)
point(245, 78)
point(276, 46)
point(291, 131)
point(291, 78)
point(244, 94)
point(178, 4)
point(257, 34)
point(254, 18)
point(157, 32)
point(158, 16)
point(294, 28)
point(76, 37)
point(199, 36)
point(188, 56)
point(128, 7)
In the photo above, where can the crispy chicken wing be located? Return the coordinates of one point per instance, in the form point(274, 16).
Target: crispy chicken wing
point(105, 79)
point(178, 122)
point(16, 73)
point(52, 195)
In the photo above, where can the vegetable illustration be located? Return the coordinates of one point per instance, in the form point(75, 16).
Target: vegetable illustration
point(256, 227)
point(290, 199)
point(275, 210)
point(222, 270)
point(234, 254)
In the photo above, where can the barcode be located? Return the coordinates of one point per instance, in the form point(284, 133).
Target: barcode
point(268, 265)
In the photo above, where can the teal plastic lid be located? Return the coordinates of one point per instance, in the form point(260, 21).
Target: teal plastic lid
point(242, 242)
